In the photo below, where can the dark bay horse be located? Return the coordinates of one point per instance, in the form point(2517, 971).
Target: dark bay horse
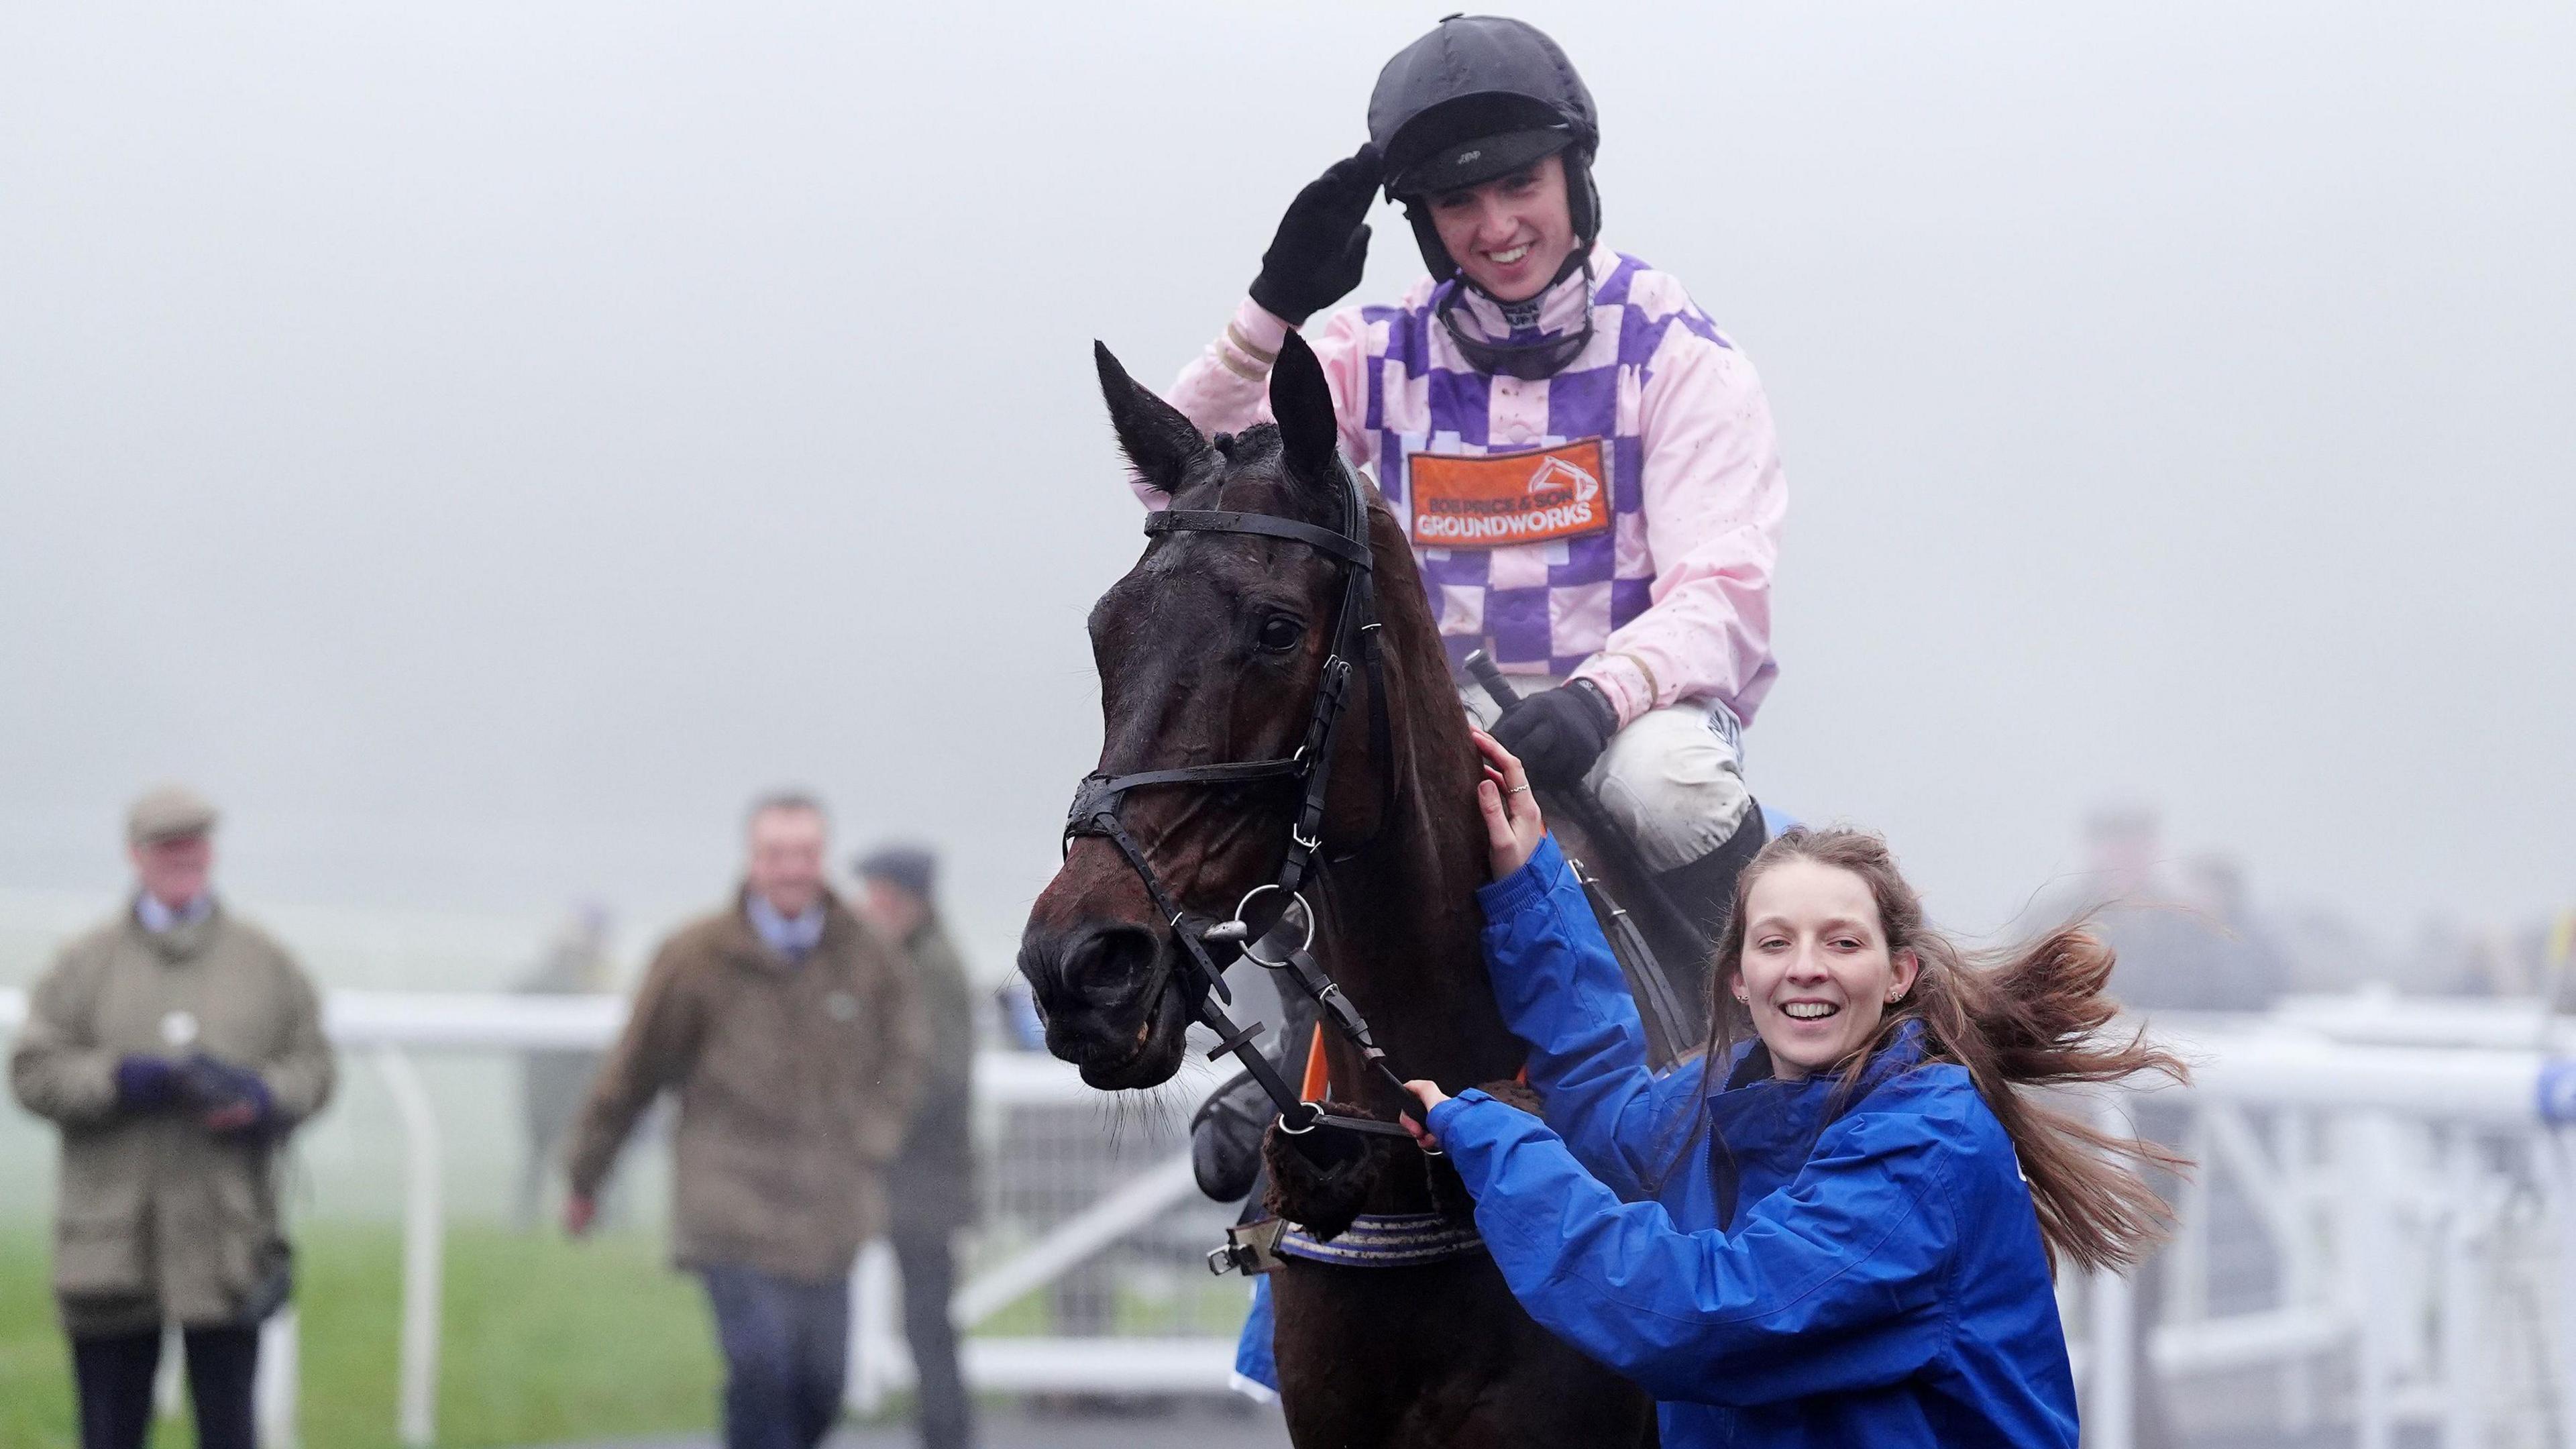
point(1212, 650)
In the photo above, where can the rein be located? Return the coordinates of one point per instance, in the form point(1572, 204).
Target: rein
point(1100, 800)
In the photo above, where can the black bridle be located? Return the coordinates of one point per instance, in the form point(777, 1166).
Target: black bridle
point(1099, 802)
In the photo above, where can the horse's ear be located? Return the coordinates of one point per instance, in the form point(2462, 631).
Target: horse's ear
point(1159, 443)
point(1303, 403)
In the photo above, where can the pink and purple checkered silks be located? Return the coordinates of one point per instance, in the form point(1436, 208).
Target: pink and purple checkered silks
point(1673, 602)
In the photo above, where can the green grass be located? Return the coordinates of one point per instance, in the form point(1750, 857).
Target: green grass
point(544, 1341)
point(35, 1374)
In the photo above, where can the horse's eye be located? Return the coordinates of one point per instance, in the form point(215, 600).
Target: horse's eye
point(1279, 633)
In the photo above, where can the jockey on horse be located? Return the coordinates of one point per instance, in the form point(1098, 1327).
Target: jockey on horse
point(1585, 464)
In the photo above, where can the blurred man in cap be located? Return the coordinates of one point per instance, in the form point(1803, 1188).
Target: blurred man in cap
point(933, 1181)
point(176, 1046)
point(794, 1039)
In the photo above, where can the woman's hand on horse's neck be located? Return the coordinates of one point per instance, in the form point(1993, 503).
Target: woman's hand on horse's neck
point(1513, 825)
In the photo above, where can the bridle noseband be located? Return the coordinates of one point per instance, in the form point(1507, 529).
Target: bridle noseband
point(1100, 800)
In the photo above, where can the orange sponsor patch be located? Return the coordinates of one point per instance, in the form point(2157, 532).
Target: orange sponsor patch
point(1535, 496)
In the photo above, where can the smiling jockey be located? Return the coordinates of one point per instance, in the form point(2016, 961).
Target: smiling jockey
point(1585, 464)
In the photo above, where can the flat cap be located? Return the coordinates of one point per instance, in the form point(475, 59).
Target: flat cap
point(168, 813)
point(913, 867)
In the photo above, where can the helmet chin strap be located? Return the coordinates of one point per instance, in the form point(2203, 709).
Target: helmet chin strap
point(1528, 361)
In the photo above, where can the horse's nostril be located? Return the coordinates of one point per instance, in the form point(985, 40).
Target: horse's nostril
point(1108, 961)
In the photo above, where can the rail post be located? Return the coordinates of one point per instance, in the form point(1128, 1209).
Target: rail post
point(2462, 1228)
point(2302, 1269)
point(2365, 1143)
point(2562, 1155)
point(2110, 1406)
point(416, 1406)
point(875, 1341)
point(2186, 1264)
point(274, 1392)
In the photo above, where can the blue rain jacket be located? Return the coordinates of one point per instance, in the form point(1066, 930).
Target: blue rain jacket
point(1857, 1266)
point(1256, 1359)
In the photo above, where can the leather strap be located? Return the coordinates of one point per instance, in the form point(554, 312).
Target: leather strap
point(1176, 520)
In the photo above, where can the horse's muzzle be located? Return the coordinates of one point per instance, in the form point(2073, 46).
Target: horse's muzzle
point(1107, 999)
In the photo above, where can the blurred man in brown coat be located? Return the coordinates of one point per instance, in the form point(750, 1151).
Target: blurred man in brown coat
point(795, 1041)
point(933, 1182)
point(176, 1046)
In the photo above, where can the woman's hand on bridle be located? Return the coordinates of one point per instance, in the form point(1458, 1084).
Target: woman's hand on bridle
point(1430, 1096)
point(1513, 825)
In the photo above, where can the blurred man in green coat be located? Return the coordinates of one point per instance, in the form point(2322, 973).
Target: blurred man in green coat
point(932, 1183)
point(176, 1046)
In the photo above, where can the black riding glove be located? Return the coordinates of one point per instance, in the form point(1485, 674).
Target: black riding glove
point(1322, 244)
point(1560, 733)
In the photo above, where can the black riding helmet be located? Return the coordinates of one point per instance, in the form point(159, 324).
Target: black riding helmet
point(1479, 97)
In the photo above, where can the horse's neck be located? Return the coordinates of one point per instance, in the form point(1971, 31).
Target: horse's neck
point(1407, 925)
point(1406, 932)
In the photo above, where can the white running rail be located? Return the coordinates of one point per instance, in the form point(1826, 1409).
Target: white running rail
point(2402, 1160)
point(2412, 1182)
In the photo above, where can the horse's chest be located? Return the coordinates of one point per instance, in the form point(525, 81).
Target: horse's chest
point(1437, 1357)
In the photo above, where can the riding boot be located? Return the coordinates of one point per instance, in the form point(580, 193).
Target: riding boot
point(1225, 1138)
point(1225, 1133)
point(1704, 892)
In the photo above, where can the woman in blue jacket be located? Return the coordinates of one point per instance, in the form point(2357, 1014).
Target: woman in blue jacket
point(1840, 1226)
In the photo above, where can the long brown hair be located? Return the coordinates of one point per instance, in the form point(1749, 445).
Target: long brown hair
point(2019, 1020)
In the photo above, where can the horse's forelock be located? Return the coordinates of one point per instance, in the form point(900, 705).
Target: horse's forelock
point(1257, 455)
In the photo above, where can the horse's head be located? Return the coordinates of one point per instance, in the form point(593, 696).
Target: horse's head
point(1210, 651)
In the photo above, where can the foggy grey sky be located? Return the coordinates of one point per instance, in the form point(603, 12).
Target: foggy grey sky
point(481, 445)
